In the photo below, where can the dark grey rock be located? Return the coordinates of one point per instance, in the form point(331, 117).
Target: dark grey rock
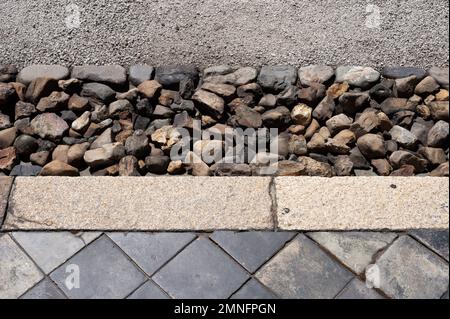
point(170, 76)
point(140, 73)
point(403, 72)
point(114, 75)
point(25, 145)
point(32, 72)
point(98, 91)
point(277, 78)
point(25, 170)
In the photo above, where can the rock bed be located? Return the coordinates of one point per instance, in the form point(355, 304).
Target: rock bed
point(106, 120)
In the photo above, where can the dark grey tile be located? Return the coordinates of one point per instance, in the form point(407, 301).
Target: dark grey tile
point(201, 270)
point(46, 289)
point(356, 289)
point(251, 249)
point(151, 250)
point(104, 272)
point(303, 270)
point(445, 296)
point(435, 239)
point(149, 290)
point(254, 290)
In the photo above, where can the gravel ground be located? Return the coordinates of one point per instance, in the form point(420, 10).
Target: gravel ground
point(206, 32)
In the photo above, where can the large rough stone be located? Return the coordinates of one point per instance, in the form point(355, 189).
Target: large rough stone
point(440, 75)
point(32, 72)
point(301, 114)
point(277, 78)
point(149, 88)
point(137, 144)
point(7, 94)
point(438, 134)
point(357, 75)
point(403, 137)
point(440, 110)
point(277, 117)
point(248, 117)
point(114, 75)
point(106, 155)
point(338, 123)
point(315, 74)
point(8, 72)
point(56, 101)
point(170, 76)
point(58, 168)
point(392, 105)
point(98, 91)
point(400, 158)
point(7, 137)
point(398, 72)
point(140, 73)
point(8, 158)
point(49, 126)
point(408, 270)
point(371, 146)
point(209, 103)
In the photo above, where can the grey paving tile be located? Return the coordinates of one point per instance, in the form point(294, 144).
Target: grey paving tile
point(357, 289)
point(89, 236)
point(254, 290)
point(354, 249)
point(149, 290)
point(435, 239)
point(201, 270)
point(18, 273)
point(49, 249)
point(303, 270)
point(445, 296)
point(104, 272)
point(409, 270)
point(251, 249)
point(151, 250)
point(45, 289)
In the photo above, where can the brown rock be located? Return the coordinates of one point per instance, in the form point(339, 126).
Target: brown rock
point(231, 169)
point(297, 145)
point(224, 90)
point(60, 153)
point(312, 128)
point(49, 126)
point(247, 117)
point(7, 137)
point(105, 156)
point(76, 152)
point(8, 159)
point(345, 137)
point(197, 166)
point(427, 86)
point(442, 95)
point(23, 109)
point(40, 158)
point(157, 164)
point(343, 166)
point(382, 166)
point(128, 166)
point(78, 104)
point(336, 147)
point(392, 105)
point(337, 89)
point(301, 114)
point(317, 143)
point(58, 168)
point(405, 86)
point(176, 167)
point(149, 88)
point(365, 123)
point(277, 117)
point(439, 110)
point(289, 168)
point(400, 158)
point(371, 146)
point(324, 110)
point(39, 88)
point(438, 134)
point(315, 168)
point(405, 170)
point(352, 102)
point(423, 111)
point(7, 94)
point(54, 102)
point(441, 170)
point(435, 156)
point(209, 103)
point(338, 123)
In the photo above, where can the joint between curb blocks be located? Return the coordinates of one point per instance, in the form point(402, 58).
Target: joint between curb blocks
point(274, 204)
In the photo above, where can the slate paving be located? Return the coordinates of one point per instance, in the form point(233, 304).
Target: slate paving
point(224, 264)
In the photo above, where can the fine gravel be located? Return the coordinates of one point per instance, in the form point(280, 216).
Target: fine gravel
point(237, 32)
